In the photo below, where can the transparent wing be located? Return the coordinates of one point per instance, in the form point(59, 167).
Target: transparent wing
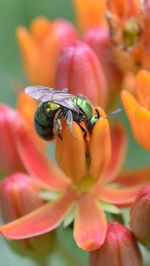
point(45, 94)
point(68, 104)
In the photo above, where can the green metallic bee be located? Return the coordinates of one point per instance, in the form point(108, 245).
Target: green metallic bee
point(57, 105)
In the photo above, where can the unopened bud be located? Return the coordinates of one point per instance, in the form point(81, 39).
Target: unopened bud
point(98, 39)
point(119, 249)
point(80, 71)
point(19, 196)
point(140, 216)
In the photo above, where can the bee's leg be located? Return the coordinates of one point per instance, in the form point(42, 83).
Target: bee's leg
point(69, 121)
point(57, 126)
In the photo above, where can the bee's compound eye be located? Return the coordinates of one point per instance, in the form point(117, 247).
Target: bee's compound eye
point(92, 121)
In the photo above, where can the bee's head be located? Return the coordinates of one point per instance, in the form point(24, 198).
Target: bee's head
point(92, 121)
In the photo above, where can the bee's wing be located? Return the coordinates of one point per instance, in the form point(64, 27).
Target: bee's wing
point(65, 102)
point(47, 94)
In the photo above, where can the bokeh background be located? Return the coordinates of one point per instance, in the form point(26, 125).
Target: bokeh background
point(14, 13)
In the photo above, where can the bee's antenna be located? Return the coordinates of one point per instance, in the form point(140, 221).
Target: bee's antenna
point(114, 113)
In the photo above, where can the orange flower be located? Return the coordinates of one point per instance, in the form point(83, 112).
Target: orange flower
point(127, 21)
point(85, 187)
point(138, 109)
point(41, 46)
point(90, 13)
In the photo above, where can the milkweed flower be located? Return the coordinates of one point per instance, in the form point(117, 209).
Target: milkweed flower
point(41, 46)
point(19, 195)
point(129, 25)
point(140, 216)
point(85, 184)
point(119, 248)
point(138, 108)
point(80, 71)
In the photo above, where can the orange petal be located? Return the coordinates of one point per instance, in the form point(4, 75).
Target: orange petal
point(30, 53)
point(37, 164)
point(90, 223)
point(118, 148)
point(133, 178)
point(39, 28)
point(130, 105)
point(119, 196)
point(143, 88)
point(90, 13)
point(27, 107)
point(70, 153)
point(100, 147)
point(40, 221)
point(124, 8)
point(142, 117)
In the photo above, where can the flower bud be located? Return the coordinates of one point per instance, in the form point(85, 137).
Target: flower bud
point(10, 161)
point(119, 248)
point(98, 39)
point(80, 71)
point(41, 46)
point(140, 216)
point(19, 196)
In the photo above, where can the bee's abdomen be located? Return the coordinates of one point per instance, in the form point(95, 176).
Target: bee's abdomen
point(43, 122)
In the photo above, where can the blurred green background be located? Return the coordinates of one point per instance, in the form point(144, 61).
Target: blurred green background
point(14, 13)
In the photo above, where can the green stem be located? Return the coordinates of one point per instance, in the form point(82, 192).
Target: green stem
point(69, 257)
point(42, 262)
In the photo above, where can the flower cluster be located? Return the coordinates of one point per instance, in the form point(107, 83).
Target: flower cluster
point(89, 187)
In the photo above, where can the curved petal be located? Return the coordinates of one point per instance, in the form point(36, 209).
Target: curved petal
point(90, 223)
point(119, 196)
point(118, 151)
point(90, 13)
point(40, 221)
point(135, 178)
point(100, 147)
point(130, 104)
point(70, 153)
point(30, 53)
point(36, 163)
point(142, 117)
point(39, 28)
point(143, 88)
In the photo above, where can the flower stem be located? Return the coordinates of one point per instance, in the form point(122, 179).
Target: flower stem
point(69, 257)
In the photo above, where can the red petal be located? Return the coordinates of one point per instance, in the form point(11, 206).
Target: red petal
point(118, 147)
point(40, 221)
point(119, 196)
point(90, 223)
point(138, 177)
point(37, 164)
